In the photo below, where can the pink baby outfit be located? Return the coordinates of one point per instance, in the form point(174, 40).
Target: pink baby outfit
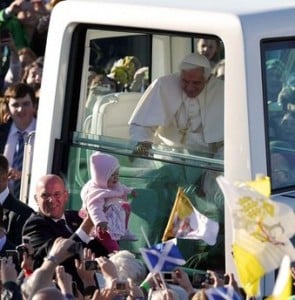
point(106, 204)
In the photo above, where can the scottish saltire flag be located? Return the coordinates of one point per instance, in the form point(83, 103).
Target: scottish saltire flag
point(162, 257)
point(222, 293)
point(283, 285)
point(262, 229)
point(188, 223)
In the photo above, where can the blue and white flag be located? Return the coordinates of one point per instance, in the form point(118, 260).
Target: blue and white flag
point(222, 293)
point(162, 257)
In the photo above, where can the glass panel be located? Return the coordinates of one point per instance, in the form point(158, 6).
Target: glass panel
point(118, 66)
point(156, 182)
point(114, 62)
point(278, 61)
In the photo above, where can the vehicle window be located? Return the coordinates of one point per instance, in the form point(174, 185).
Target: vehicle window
point(118, 67)
point(278, 62)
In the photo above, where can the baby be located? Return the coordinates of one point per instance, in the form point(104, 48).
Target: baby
point(105, 199)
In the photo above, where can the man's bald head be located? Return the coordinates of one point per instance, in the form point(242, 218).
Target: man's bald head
point(51, 196)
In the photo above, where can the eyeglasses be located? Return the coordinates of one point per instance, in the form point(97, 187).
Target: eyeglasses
point(56, 195)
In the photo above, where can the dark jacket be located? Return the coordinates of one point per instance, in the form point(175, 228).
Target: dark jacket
point(15, 214)
point(43, 231)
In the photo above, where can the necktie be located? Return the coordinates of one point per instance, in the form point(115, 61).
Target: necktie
point(63, 228)
point(18, 161)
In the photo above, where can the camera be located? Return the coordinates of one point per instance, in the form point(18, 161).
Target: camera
point(121, 286)
point(167, 276)
point(91, 265)
point(21, 250)
point(198, 278)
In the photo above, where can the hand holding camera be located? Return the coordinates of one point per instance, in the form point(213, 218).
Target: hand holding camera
point(25, 249)
point(25, 253)
point(122, 288)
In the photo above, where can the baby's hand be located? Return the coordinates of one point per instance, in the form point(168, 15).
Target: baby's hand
point(102, 226)
point(134, 193)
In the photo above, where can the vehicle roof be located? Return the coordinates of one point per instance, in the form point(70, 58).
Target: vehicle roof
point(224, 6)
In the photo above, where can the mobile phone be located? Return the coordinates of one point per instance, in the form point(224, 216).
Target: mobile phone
point(14, 255)
point(91, 265)
point(167, 276)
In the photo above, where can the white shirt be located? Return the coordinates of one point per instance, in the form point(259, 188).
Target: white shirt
point(13, 139)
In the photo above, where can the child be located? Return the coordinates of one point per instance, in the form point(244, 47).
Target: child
point(105, 199)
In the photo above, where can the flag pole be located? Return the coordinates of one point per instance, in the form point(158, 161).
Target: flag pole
point(145, 237)
point(153, 275)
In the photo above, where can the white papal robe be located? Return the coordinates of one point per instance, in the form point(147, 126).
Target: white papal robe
point(166, 115)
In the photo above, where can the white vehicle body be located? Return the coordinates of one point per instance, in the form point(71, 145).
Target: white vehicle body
point(242, 27)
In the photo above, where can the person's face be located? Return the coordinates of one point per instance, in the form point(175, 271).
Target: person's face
point(51, 197)
point(207, 48)
point(26, 15)
point(34, 76)
point(192, 82)
point(113, 180)
point(22, 111)
point(25, 59)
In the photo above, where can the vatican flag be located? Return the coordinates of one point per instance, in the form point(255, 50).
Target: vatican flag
point(186, 222)
point(262, 229)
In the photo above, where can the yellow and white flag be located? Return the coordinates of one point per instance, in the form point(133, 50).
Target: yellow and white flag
point(188, 223)
point(262, 229)
point(283, 286)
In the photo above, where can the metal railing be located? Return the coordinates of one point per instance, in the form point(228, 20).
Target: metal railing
point(27, 167)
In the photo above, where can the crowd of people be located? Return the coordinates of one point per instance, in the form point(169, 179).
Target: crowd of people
point(23, 33)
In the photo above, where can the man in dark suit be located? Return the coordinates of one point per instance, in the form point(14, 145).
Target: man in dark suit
point(21, 104)
point(44, 227)
point(5, 243)
point(15, 212)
